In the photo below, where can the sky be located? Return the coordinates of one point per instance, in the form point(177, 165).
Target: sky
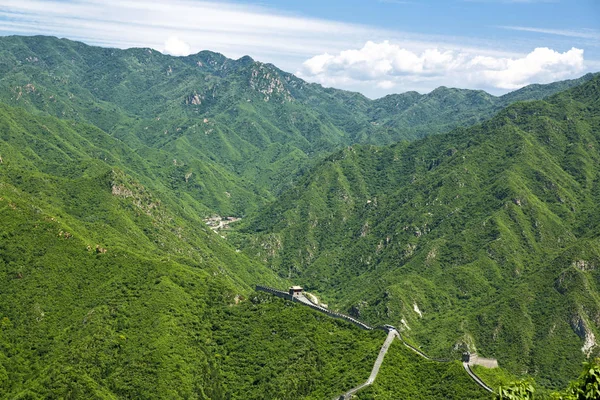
point(375, 47)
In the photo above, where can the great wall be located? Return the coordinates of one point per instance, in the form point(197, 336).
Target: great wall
point(295, 294)
point(302, 299)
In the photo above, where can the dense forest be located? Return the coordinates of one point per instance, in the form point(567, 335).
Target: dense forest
point(466, 220)
point(489, 232)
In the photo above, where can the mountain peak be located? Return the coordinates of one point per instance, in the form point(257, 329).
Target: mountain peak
point(245, 60)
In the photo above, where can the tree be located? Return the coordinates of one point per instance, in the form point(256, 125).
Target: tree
point(521, 390)
point(588, 385)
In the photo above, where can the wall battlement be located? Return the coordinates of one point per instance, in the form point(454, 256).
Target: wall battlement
point(303, 300)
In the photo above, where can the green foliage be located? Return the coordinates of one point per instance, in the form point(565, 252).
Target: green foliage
point(243, 129)
point(521, 390)
point(272, 348)
point(112, 286)
point(494, 377)
point(404, 375)
point(584, 388)
point(490, 232)
point(588, 384)
point(112, 289)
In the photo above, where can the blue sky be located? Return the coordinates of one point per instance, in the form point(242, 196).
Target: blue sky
point(459, 17)
point(372, 46)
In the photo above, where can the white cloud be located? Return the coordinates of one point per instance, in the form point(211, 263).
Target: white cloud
point(226, 27)
point(541, 65)
point(386, 84)
point(581, 33)
point(267, 35)
point(176, 47)
point(389, 65)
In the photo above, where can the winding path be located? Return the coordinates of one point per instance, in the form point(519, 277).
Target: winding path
point(466, 365)
point(392, 333)
point(476, 378)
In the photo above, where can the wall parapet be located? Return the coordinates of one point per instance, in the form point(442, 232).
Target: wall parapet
point(306, 302)
point(275, 292)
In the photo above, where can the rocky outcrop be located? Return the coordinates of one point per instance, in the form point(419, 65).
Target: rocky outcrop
point(125, 187)
point(194, 99)
point(268, 82)
point(581, 329)
point(584, 265)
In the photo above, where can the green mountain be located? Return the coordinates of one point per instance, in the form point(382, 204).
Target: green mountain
point(447, 108)
point(112, 285)
point(112, 290)
point(248, 120)
point(484, 239)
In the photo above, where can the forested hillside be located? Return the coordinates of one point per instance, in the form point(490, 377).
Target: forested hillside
point(113, 287)
point(125, 273)
point(245, 119)
point(483, 239)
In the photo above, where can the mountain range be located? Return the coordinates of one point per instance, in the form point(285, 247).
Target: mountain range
point(469, 221)
point(486, 236)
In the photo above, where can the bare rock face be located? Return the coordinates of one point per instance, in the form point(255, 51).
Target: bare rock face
point(268, 82)
point(583, 265)
point(194, 99)
point(121, 191)
point(581, 329)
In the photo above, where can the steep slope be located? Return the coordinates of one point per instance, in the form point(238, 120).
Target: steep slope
point(483, 239)
point(113, 289)
point(405, 375)
point(109, 289)
point(248, 116)
point(447, 108)
point(263, 125)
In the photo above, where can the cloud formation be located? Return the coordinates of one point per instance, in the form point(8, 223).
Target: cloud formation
point(226, 27)
point(176, 47)
point(581, 33)
point(389, 65)
point(287, 40)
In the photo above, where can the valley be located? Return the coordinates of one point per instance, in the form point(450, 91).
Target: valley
point(143, 197)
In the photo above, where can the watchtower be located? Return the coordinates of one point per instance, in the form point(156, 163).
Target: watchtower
point(466, 357)
point(296, 291)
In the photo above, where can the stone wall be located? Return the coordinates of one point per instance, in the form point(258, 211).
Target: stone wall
point(474, 359)
point(306, 302)
point(274, 292)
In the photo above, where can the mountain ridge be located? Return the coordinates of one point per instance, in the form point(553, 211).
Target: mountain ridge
point(113, 162)
point(457, 226)
point(263, 125)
